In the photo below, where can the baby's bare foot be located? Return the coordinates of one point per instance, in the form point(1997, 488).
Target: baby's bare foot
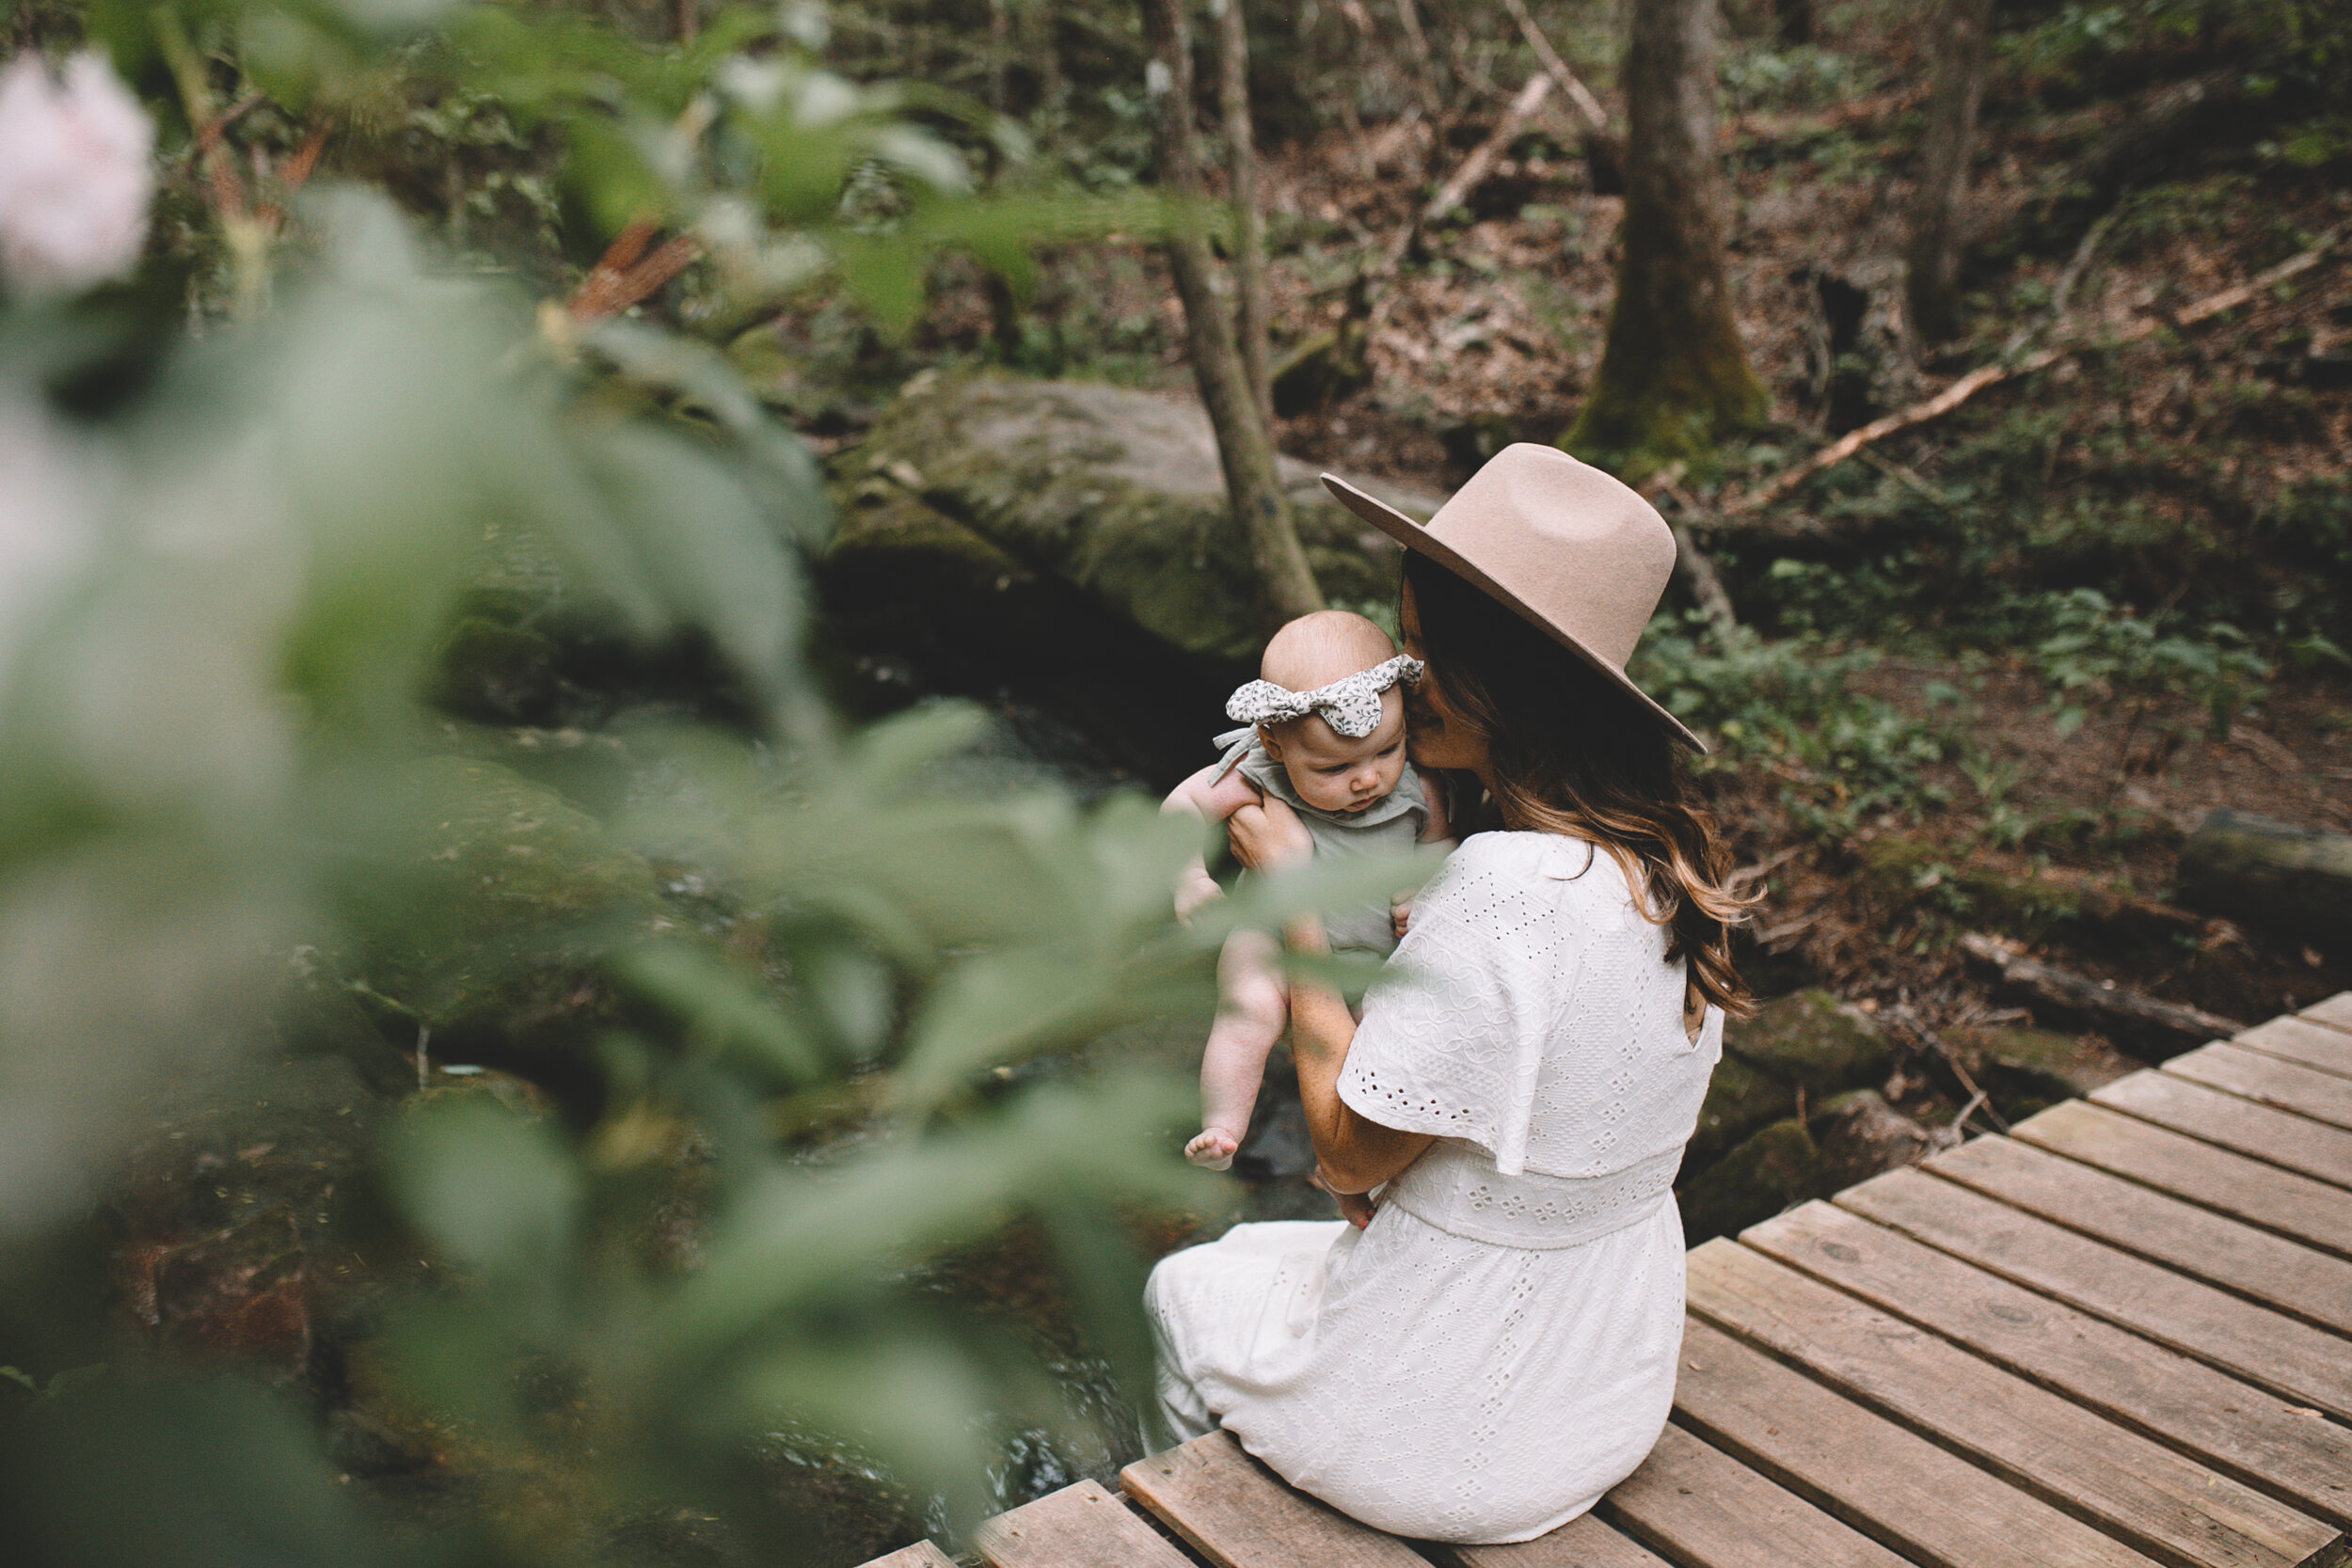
point(1213, 1149)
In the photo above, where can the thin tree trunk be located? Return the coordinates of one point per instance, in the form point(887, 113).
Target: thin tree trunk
point(1004, 311)
point(1253, 317)
point(1933, 266)
point(1673, 375)
point(1245, 448)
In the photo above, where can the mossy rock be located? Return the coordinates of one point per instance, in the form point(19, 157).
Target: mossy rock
point(2026, 1070)
point(1772, 1170)
point(987, 483)
point(1861, 1135)
point(1811, 1040)
point(1910, 871)
point(1739, 1101)
point(489, 916)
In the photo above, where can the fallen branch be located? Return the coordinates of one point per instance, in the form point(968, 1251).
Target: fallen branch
point(1481, 160)
point(1595, 118)
point(2167, 1028)
point(1691, 563)
point(1977, 380)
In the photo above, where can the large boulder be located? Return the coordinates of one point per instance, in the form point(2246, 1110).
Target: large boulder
point(988, 487)
point(488, 915)
point(1860, 1136)
point(1777, 1167)
point(1810, 1041)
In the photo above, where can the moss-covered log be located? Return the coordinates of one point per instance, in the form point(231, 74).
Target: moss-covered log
point(1672, 377)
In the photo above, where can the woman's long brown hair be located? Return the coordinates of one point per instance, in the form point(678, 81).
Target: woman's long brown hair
point(1571, 751)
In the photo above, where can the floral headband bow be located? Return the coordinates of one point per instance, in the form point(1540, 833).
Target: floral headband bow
point(1351, 705)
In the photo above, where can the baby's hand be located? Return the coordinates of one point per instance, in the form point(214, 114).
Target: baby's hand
point(1401, 917)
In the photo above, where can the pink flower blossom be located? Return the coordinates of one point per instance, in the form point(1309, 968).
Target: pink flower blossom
point(74, 175)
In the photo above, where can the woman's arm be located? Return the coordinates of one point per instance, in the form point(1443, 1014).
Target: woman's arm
point(1354, 1154)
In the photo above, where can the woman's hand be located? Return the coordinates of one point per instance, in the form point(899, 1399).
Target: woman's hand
point(1356, 1209)
point(1268, 837)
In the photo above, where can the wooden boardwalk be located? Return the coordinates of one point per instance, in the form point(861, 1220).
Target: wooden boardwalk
point(2119, 1336)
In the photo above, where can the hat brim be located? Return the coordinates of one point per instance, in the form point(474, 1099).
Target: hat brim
point(1417, 538)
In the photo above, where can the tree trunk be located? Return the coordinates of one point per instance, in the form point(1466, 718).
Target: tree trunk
point(1245, 444)
point(1937, 236)
point(1253, 317)
point(1673, 377)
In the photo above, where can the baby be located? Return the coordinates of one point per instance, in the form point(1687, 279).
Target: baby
point(1325, 736)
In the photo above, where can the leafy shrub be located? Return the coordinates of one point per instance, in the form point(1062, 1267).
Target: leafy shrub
point(1788, 709)
point(2096, 651)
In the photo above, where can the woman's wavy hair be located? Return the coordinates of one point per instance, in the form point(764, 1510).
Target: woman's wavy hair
point(1571, 751)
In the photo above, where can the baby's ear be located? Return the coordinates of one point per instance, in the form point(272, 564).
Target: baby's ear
point(1273, 744)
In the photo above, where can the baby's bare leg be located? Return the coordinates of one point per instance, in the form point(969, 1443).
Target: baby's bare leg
point(1252, 1007)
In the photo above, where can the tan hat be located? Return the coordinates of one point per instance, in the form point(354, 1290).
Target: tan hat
point(1565, 545)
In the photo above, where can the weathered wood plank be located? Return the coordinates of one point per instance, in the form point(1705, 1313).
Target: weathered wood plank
point(2259, 1132)
point(2236, 1428)
point(2280, 1201)
point(2289, 1085)
point(2144, 1493)
point(2298, 1363)
point(921, 1554)
point(1238, 1513)
point(2300, 1040)
point(1893, 1485)
point(1704, 1509)
point(1583, 1542)
point(2336, 1012)
point(1078, 1527)
point(2270, 1269)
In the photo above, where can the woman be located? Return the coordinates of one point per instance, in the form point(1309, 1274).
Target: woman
point(1495, 1347)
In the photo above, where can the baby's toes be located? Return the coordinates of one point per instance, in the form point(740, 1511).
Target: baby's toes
point(1211, 1149)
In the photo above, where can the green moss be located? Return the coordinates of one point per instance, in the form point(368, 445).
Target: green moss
point(1777, 1167)
point(1813, 1042)
point(1739, 1101)
point(491, 912)
point(1904, 869)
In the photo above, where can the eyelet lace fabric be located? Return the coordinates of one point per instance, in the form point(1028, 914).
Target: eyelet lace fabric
point(1498, 1348)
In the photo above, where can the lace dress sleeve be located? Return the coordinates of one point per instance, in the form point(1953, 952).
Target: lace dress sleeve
point(1452, 1037)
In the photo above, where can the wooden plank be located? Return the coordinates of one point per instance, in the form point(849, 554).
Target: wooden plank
point(2298, 1363)
point(1895, 1486)
point(2276, 1137)
point(2289, 1085)
point(1583, 1542)
point(2300, 1040)
point(2280, 1201)
point(2253, 1264)
point(1238, 1513)
point(2146, 1494)
point(1704, 1509)
point(2336, 1012)
point(1078, 1527)
point(2291, 1453)
point(921, 1554)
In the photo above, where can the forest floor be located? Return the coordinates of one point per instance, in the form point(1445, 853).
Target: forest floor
point(1932, 579)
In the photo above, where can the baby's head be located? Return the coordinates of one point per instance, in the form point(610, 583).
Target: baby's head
point(1332, 772)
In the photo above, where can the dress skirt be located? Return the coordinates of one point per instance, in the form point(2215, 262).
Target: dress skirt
point(1431, 1384)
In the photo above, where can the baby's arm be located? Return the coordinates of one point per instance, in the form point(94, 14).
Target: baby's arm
point(1213, 796)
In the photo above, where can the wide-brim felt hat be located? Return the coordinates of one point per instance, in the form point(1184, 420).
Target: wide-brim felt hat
point(1566, 546)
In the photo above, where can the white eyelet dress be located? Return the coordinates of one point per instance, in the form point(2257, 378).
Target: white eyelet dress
point(1497, 1349)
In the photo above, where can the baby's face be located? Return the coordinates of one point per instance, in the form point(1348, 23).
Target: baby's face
point(1334, 773)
